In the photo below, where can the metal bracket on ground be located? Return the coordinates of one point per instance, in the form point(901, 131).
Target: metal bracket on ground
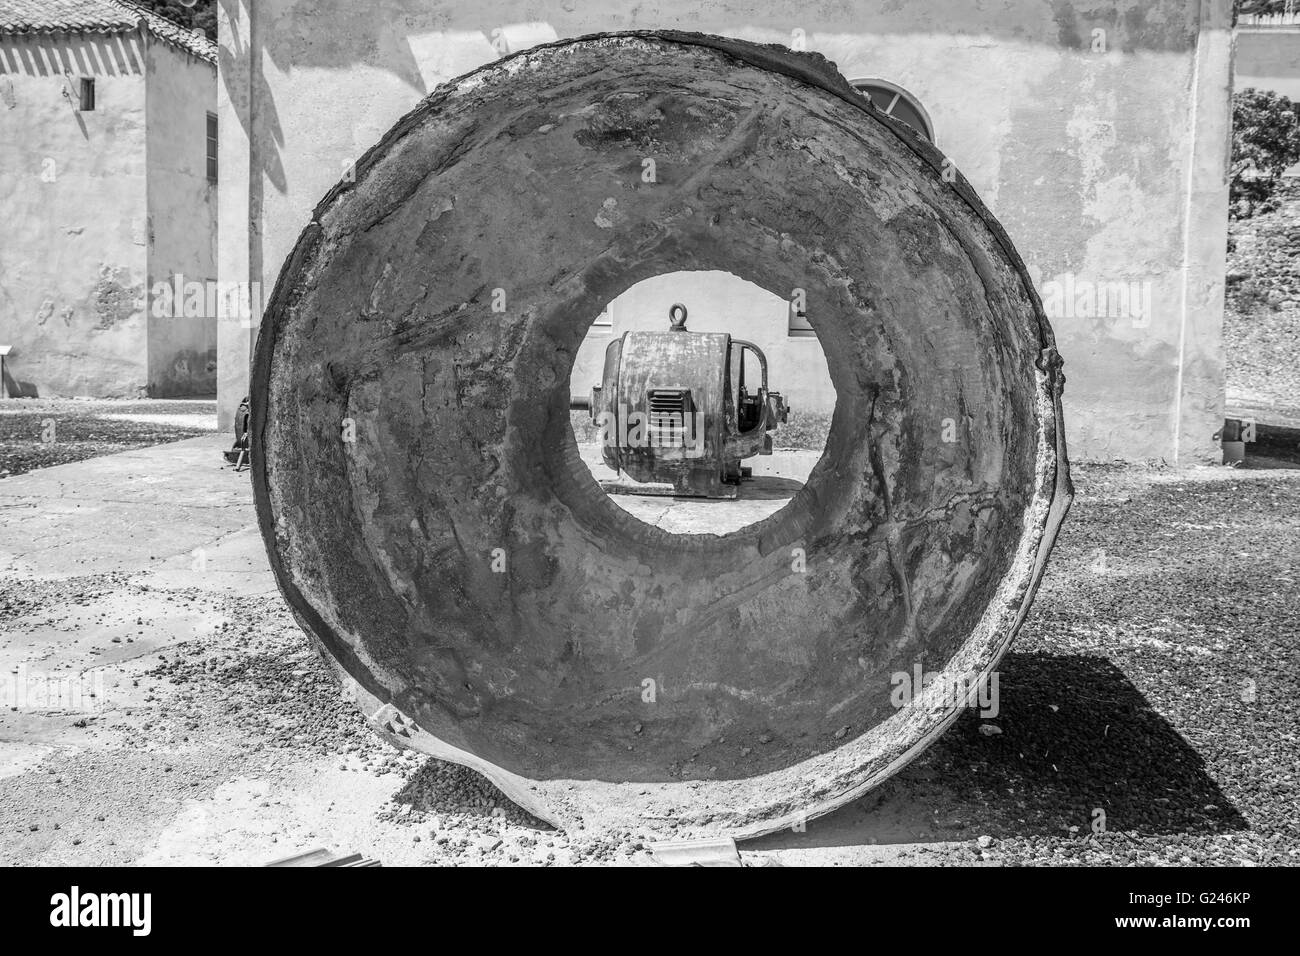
point(719, 851)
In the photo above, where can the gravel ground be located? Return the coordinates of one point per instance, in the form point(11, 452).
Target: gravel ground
point(1156, 681)
point(260, 681)
point(38, 433)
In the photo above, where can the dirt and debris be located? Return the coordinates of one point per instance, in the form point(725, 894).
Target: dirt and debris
point(1148, 716)
point(39, 433)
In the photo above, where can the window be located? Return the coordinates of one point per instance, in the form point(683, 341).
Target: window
point(898, 103)
point(86, 95)
point(212, 147)
point(799, 326)
point(605, 321)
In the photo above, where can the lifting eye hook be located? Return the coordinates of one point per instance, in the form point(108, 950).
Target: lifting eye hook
point(677, 318)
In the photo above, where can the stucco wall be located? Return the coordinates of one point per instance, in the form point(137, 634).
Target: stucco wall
point(238, 203)
point(717, 302)
point(1269, 59)
point(1103, 153)
point(182, 90)
point(73, 208)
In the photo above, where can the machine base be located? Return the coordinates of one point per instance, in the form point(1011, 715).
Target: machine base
point(657, 489)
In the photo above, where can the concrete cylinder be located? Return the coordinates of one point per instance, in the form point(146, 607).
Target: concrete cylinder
point(433, 528)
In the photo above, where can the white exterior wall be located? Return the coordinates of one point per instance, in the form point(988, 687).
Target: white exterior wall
point(1268, 57)
point(73, 210)
point(1099, 136)
point(182, 90)
point(96, 206)
point(716, 302)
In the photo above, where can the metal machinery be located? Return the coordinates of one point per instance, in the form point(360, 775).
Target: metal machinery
point(676, 413)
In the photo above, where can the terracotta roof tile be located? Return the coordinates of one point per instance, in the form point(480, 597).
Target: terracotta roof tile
point(98, 16)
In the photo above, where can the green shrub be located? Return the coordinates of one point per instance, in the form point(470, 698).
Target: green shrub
point(1265, 143)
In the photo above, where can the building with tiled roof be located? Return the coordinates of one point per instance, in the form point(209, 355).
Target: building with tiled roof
point(106, 17)
point(108, 134)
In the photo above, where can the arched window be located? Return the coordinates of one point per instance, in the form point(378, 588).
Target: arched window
point(898, 103)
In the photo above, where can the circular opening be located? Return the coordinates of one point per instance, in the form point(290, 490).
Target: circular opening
point(701, 402)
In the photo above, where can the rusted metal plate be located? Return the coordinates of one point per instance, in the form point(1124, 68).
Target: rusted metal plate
point(437, 534)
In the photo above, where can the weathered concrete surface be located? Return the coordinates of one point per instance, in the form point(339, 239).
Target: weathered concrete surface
point(437, 426)
point(1103, 153)
point(124, 512)
point(113, 566)
point(74, 261)
point(238, 246)
point(182, 218)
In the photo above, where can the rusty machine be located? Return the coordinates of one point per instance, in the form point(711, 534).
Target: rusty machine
point(676, 414)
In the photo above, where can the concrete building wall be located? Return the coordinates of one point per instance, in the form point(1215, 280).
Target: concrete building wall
point(1098, 134)
point(716, 302)
point(73, 257)
point(1268, 57)
point(238, 204)
point(182, 91)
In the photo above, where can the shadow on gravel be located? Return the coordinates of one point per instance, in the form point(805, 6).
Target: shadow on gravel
point(1076, 737)
point(1272, 449)
point(769, 488)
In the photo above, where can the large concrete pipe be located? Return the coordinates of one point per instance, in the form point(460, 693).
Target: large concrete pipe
point(437, 535)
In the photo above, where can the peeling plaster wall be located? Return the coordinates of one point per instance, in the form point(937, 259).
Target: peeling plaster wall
point(1104, 154)
point(73, 207)
point(182, 219)
point(1268, 58)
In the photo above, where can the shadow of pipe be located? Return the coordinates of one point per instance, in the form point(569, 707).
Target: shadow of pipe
point(1103, 748)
